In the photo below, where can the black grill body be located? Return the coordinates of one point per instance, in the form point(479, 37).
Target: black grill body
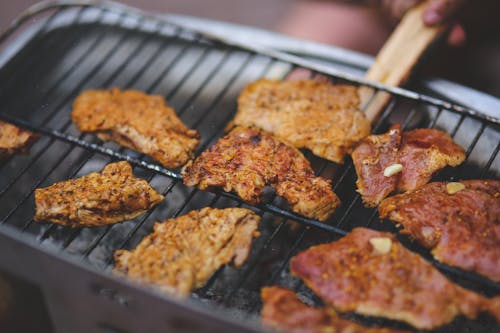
point(67, 48)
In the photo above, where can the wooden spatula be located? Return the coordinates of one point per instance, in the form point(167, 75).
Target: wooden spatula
point(398, 56)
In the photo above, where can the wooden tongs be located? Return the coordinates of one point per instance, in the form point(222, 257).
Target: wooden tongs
point(397, 58)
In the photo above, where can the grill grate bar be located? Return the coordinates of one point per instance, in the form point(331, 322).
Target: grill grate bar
point(54, 226)
point(68, 123)
point(490, 161)
point(168, 69)
point(457, 126)
point(372, 218)
point(52, 114)
point(76, 232)
point(433, 123)
point(43, 29)
point(329, 70)
point(121, 150)
point(216, 100)
point(129, 83)
point(384, 115)
point(60, 105)
point(448, 269)
point(97, 148)
point(283, 265)
point(153, 58)
point(475, 140)
point(90, 146)
point(73, 174)
point(97, 246)
point(183, 108)
point(245, 275)
point(132, 55)
point(350, 167)
point(36, 185)
point(470, 148)
point(197, 64)
point(136, 227)
point(77, 62)
point(181, 111)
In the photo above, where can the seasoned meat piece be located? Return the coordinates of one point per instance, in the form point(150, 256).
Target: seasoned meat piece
point(182, 253)
point(371, 157)
point(423, 152)
point(319, 116)
point(111, 196)
point(248, 159)
point(371, 273)
point(14, 140)
point(283, 311)
point(460, 222)
point(394, 161)
point(137, 121)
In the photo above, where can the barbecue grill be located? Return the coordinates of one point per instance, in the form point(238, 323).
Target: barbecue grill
point(56, 50)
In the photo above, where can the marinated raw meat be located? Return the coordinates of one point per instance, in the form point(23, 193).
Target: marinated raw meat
point(459, 221)
point(402, 161)
point(182, 253)
point(248, 159)
point(371, 158)
point(283, 311)
point(111, 196)
point(14, 140)
point(138, 121)
point(371, 273)
point(319, 116)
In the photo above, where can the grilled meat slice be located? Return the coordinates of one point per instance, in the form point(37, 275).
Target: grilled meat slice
point(371, 273)
point(371, 157)
point(423, 152)
point(182, 253)
point(283, 311)
point(418, 154)
point(319, 116)
point(137, 121)
point(460, 222)
point(14, 140)
point(248, 159)
point(111, 196)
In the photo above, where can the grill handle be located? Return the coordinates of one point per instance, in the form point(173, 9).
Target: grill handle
point(397, 58)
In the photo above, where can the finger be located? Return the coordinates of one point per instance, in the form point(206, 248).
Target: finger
point(457, 36)
point(439, 11)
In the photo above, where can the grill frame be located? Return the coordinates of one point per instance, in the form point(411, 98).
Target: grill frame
point(54, 259)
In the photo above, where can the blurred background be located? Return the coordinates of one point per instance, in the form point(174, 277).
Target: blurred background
point(239, 11)
point(357, 25)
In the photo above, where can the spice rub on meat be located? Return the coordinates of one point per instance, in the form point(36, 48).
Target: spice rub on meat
point(14, 140)
point(371, 157)
point(319, 116)
point(283, 311)
point(111, 196)
point(459, 221)
point(138, 121)
point(248, 159)
point(402, 161)
point(182, 253)
point(371, 273)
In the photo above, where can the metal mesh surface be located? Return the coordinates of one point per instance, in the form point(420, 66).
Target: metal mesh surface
point(77, 48)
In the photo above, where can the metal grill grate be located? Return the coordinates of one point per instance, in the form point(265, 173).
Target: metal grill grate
point(73, 48)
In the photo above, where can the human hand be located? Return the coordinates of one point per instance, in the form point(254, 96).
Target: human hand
point(435, 12)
